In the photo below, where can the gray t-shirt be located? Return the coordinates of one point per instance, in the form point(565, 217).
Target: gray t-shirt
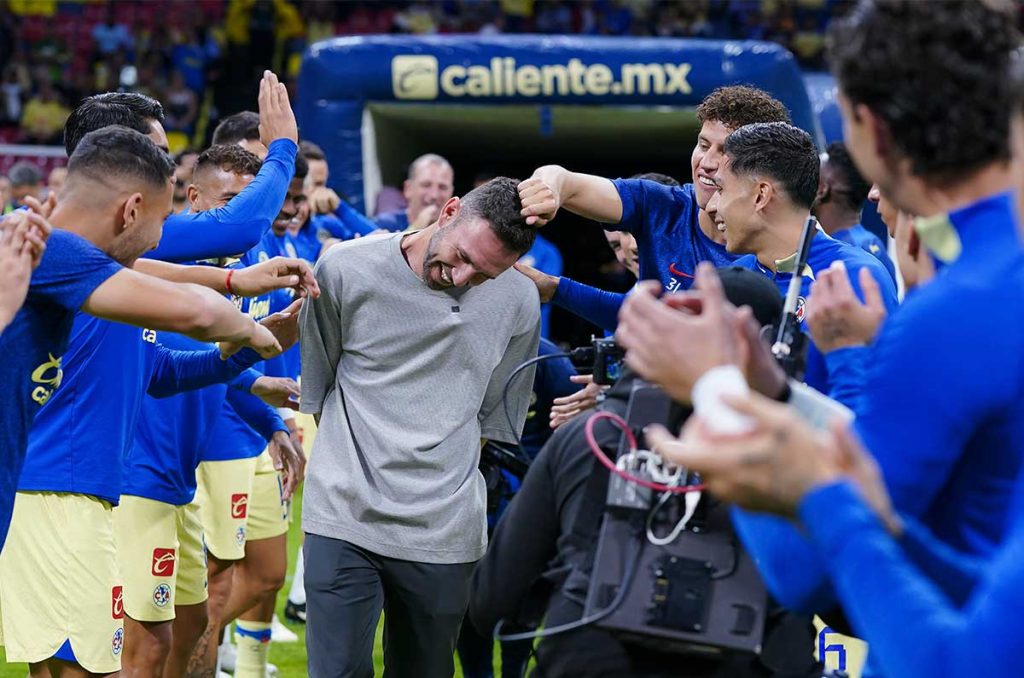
point(407, 380)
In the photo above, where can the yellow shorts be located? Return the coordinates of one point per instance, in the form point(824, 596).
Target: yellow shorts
point(162, 556)
point(223, 490)
point(268, 513)
point(60, 581)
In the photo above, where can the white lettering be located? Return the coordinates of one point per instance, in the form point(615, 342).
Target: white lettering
point(528, 81)
point(598, 79)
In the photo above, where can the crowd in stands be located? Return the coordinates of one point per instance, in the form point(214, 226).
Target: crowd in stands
point(204, 59)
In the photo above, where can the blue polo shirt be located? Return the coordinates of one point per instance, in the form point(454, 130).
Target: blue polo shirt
point(33, 347)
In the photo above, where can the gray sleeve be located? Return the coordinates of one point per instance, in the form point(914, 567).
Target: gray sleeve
point(320, 332)
point(493, 422)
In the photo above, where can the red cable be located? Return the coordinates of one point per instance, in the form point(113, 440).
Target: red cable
point(631, 439)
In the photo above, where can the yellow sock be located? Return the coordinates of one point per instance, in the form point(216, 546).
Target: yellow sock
point(253, 647)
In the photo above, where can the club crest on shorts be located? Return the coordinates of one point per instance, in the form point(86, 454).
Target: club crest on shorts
point(161, 595)
point(801, 309)
point(163, 562)
point(117, 642)
point(116, 603)
point(239, 505)
point(240, 535)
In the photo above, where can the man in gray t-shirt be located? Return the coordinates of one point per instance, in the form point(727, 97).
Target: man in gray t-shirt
point(404, 358)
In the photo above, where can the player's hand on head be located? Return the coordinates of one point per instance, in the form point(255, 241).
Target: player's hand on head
point(288, 460)
point(546, 284)
point(668, 343)
point(277, 120)
point(836, 317)
point(540, 200)
point(277, 391)
point(274, 274)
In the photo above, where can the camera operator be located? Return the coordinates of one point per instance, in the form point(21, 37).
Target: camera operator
point(943, 145)
point(529, 547)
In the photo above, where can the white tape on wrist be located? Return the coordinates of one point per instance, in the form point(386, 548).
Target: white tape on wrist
point(707, 399)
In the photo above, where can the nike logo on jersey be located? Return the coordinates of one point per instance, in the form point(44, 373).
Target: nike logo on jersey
point(675, 271)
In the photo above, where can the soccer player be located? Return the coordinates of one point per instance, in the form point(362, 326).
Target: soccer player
point(330, 215)
point(928, 116)
point(216, 233)
point(404, 358)
point(429, 186)
point(160, 538)
point(837, 206)
point(765, 187)
point(239, 498)
point(117, 195)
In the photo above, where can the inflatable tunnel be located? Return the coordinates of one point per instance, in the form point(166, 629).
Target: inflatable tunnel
point(508, 104)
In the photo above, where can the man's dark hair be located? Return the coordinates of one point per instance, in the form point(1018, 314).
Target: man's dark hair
point(116, 152)
point(658, 177)
point(855, 188)
point(737, 105)
point(780, 151)
point(936, 73)
point(301, 166)
point(311, 151)
point(237, 127)
point(127, 109)
point(498, 202)
point(25, 174)
point(228, 157)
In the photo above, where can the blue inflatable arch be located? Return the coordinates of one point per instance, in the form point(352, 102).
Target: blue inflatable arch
point(507, 104)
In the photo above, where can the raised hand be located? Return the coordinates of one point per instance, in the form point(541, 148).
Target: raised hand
point(546, 284)
point(277, 121)
point(836, 317)
point(277, 391)
point(274, 274)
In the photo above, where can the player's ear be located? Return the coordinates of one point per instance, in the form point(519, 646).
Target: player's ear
point(192, 193)
point(763, 194)
point(132, 211)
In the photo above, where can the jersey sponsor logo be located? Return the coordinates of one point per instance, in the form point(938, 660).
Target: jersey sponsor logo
point(161, 595)
point(163, 562)
point(874, 248)
point(117, 642)
point(116, 603)
point(239, 506)
point(48, 376)
point(801, 309)
point(149, 336)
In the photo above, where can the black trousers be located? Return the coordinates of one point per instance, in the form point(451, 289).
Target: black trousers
point(347, 587)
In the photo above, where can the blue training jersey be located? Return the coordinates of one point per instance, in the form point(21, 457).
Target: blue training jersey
point(231, 437)
point(33, 347)
point(239, 225)
point(858, 236)
point(663, 219)
point(824, 251)
point(943, 412)
point(83, 432)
